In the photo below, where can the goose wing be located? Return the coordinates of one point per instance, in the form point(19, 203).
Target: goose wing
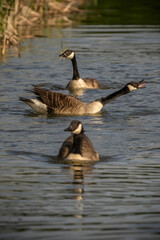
point(92, 83)
point(66, 148)
point(88, 149)
point(56, 100)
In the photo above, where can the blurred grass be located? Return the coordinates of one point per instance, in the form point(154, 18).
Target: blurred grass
point(19, 17)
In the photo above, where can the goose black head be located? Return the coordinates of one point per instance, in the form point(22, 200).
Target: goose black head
point(67, 54)
point(75, 127)
point(135, 85)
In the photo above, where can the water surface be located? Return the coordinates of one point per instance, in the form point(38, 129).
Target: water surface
point(115, 198)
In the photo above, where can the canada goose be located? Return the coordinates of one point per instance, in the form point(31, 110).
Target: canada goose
point(58, 103)
point(77, 82)
point(77, 146)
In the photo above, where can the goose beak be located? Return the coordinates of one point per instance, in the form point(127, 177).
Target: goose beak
point(68, 129)
point(141, 84)
point(62, 55)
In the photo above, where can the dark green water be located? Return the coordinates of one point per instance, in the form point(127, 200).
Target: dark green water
point(122, 12)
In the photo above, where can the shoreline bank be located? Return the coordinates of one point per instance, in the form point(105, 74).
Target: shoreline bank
point(20, 17)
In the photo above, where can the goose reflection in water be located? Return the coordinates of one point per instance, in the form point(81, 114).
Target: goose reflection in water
point(79, 170)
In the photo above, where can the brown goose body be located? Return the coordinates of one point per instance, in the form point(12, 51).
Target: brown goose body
point(78, 146)
point(92, 83)
point(57, 103)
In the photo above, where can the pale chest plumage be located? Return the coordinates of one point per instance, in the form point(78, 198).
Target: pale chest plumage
point(75, 156)
point(76, 84)
point(93, 107)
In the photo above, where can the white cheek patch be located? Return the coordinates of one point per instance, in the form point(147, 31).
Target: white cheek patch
point(131, 88)
point(78, 130)
point(71, 56)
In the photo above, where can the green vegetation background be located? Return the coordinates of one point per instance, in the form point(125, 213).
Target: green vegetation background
point(123, 12)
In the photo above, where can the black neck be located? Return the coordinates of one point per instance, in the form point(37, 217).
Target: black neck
point(113, 96)
point(75, 69)
point(77, 143)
